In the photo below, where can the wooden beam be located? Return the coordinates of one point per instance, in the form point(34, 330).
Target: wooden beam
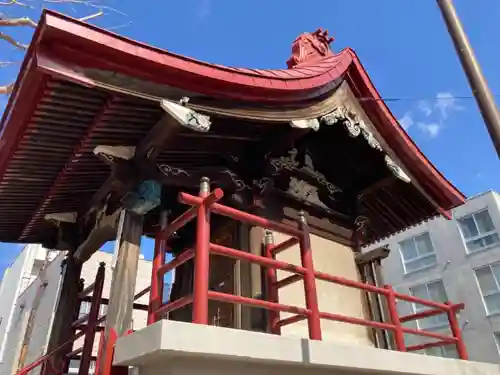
point(121, 302)
point(159, 136)
point(170, 175)
point(126, 173)
point(165, 129)
point(104, 231)
point(375, 186)
point(370, 256)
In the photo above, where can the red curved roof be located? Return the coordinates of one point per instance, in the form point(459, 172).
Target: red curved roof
point(88, 47)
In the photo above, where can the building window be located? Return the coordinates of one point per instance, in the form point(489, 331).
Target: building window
point(73, 367)
point(488, 278)
point(497, 339)
point(478, 231)
point(84, 309)
point(166, 292)
point(37, 267)
point(103, 310)
point(417, 253)
point(448, 351)
point(433, 291)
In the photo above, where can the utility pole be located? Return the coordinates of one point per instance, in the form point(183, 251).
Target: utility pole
point(470, 65)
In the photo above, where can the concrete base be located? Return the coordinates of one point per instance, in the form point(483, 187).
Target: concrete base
point(176, 348)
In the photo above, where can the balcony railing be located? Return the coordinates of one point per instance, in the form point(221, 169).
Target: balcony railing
point(204, 205)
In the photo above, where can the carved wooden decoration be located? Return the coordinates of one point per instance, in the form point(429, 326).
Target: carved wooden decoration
point(186, 116)
point(356, 127)
point(291, 164)
point(312, 124)
point(110, 154)
point(305, 191)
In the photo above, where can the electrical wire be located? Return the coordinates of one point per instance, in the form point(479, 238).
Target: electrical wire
point(409, 99)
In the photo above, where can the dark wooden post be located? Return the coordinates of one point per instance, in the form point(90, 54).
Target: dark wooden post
point(121, 298)
point(370, 266)
point(66, 311)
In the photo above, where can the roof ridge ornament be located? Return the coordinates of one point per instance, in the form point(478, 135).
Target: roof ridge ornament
point(355, 127)
point(186, 116)
point(310, 47)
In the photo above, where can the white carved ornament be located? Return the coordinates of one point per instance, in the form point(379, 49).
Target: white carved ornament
point(186, 116)
point(312, 123)
point(111, 153)
point(355, 126)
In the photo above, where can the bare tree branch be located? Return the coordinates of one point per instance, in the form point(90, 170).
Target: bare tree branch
point(89, 3)
point(96, 6)
point(15, 2)
point(91, 16)
point(7, 89)
point(4, 64)
point(24, 21)
point(12, 41)
point(112, 28)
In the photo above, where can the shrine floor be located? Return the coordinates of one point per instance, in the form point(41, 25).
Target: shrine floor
point(169, 347)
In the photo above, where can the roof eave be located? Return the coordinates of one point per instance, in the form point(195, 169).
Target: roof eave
point(53, 25)
point(442, 191)
point(257, 85)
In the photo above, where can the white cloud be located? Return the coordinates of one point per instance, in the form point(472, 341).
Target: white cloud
point(431, 116)
point(407, 121)
point(446, 104)
point(431, 129)
point(425, 107)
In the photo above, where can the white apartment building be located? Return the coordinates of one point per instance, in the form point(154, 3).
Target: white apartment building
point(16, 279)
point(457, 260)
point(20, 285)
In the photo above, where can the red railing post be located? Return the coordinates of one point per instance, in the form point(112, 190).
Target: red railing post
point(202, 257)
point(456, 332)
point(90, 330)
point(399, 337)
point(272, 289)
point(99, 351)
point(313, 318)
point(156, 292)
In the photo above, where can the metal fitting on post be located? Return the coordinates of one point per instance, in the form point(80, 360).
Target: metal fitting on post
point(205, 185)
point(269, 238)
point(163, 220)
point(302, 217)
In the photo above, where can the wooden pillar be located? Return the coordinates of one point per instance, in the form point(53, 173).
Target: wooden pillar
point(66, 311)
point(121, 298)
point(370, 267)
point(258, 316)
point(244, 273)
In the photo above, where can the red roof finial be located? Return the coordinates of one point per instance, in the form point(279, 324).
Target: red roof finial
point(310, 47)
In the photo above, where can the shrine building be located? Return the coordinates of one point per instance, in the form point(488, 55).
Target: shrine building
point(264, 185)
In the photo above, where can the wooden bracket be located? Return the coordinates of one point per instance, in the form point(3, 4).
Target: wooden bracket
point(372, 255)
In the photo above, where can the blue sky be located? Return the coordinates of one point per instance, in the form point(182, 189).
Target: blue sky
point(402, 43)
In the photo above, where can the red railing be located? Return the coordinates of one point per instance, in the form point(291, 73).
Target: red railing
point(205, 204)
point(87, 325)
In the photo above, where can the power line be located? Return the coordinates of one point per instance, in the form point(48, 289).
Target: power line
point(410, 99)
